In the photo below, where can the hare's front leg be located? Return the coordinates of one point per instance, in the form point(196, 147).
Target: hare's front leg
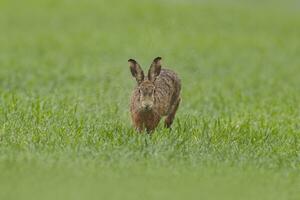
point(170, 118)
point(137, 122)
point(151, 125)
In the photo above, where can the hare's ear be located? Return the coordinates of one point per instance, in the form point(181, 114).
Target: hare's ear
point(136, 70)
point(155, 68)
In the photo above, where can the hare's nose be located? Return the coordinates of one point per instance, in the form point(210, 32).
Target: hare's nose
point(147, 105)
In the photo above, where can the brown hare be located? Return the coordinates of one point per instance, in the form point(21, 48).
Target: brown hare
point(155, 96)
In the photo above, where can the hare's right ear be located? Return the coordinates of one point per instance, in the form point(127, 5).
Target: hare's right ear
point(136, 71)
point(155, 69)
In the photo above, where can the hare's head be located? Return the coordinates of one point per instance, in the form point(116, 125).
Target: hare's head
point(146, 85)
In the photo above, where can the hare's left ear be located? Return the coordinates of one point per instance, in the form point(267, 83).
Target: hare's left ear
point(155, 69)
point(136, 71)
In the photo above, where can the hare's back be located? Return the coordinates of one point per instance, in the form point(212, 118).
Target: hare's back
point(168, 81)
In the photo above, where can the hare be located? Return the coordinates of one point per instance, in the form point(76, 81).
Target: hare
point(154, 97)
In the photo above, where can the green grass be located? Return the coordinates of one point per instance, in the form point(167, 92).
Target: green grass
point(65, 131)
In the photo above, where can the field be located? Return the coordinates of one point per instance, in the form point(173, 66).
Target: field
point(65, 131)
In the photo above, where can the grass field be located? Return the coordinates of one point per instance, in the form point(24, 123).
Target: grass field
point(65, 84)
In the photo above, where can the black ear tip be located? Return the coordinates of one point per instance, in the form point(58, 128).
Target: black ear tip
point(157, 59)
point(132, 60)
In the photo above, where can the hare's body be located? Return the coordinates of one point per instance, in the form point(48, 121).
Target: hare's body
point(155, 97)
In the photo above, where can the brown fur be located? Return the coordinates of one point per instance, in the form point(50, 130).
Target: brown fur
point(159, 91)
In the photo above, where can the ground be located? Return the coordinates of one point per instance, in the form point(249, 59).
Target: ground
point(65, 86)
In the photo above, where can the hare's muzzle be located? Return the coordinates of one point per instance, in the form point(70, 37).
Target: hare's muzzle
point(147, 105)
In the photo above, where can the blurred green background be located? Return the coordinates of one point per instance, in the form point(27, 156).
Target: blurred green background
point(65, 86)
